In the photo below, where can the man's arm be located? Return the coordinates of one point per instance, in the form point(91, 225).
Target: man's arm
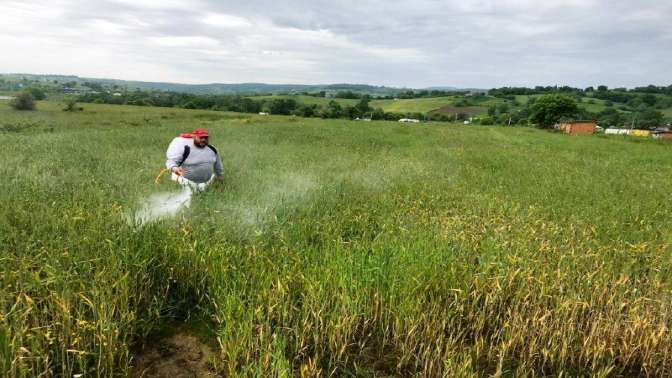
point(174, 155)
point(219, 169)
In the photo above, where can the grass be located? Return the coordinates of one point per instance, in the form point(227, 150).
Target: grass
point(335, 247)
point(415, 105)
point(596, 106)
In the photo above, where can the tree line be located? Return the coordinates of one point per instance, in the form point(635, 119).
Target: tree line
point(242, 104)
point(548, 109)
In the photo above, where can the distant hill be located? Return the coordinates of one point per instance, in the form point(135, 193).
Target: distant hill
point(214, 88)
point(455, 89)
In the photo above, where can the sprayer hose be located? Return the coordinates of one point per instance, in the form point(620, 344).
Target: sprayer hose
point(163, 170)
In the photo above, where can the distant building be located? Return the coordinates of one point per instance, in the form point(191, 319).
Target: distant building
point(116, 94)
point(578, 127)
point(409, 120)
point(664, 135)
point(263, 113)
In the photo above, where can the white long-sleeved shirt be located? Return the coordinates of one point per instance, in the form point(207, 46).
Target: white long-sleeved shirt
point(199, 165)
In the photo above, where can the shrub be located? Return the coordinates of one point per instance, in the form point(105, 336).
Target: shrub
point(71, 105)
point(487, 121)
point(23, 101)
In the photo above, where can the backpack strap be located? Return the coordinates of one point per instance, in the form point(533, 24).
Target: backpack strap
point(185, 155)
point(213, 149)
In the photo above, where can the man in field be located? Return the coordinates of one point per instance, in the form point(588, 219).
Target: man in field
point(190, 157)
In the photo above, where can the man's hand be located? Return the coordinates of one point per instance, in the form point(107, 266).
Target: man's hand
point(178, 171)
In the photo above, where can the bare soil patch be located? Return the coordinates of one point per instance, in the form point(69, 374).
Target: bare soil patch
point(181, 355)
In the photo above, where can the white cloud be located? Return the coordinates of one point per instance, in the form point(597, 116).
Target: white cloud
point(226, 21)
point(101, 26)
point(159, 4)
point(185, 41)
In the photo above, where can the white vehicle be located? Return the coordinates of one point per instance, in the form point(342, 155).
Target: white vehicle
point(614, 131)
point(409, 120)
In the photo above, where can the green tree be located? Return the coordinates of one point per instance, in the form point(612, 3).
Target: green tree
point(610, 117)
point(93, 86)
point(347, 94)
point(649, 119)
point(351, 112)
point(550, 109)
point(649, 99)
point(38, 93)
point(362, 106)
point(503, 108)
point(306, 110)
point(333, 110)
point(378, 113)
point(284, 106)
point(23, 101)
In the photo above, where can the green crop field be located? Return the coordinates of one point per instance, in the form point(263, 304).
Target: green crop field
point(412, 105)
point(333, 248)
point(592, 104)
point(308, 100)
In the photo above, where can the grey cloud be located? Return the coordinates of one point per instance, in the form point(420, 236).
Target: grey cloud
point(404, 43)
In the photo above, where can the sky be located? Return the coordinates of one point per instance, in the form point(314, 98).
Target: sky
point(416, 44)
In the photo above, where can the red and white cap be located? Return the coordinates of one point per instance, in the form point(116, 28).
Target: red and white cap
point(201, 133)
